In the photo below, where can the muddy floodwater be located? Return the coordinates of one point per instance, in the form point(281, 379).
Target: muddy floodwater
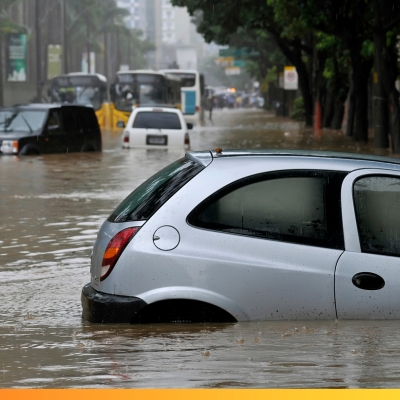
point(51, 208)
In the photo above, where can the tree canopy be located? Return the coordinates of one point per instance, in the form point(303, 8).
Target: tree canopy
point(337, 46)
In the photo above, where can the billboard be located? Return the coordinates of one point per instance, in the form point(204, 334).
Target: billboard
point(54, 55)
point(16, 57)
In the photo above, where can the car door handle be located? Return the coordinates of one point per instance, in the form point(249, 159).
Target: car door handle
point(368, 281)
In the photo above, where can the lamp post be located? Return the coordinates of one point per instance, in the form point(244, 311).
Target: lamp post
point(38, 52)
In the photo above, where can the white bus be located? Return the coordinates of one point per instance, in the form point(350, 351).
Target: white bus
point(192, 92)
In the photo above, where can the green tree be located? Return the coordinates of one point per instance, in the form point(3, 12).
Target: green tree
point(386, 31)
point(134, 48)
point(223, 18)
point(345, 19)
point(91, 21)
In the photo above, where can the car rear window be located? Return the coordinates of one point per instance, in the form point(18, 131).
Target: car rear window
point(146, 199)
point(157, 120)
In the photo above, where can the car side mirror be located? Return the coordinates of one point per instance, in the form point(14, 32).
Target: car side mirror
point(189, 125)
point(121, 124)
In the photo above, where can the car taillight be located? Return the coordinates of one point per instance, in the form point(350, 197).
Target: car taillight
point(197, 109)
point(187, 140)
point(126, 137)
point(114, 250)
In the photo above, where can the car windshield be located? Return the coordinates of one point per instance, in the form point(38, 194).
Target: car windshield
point(85, 90)
point(157, 120)
point(133, 89)
point(21, 120)
point(145, 200)
point(83, 95)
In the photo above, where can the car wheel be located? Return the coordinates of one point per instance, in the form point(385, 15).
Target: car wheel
point(182, 311)
point(29, 150)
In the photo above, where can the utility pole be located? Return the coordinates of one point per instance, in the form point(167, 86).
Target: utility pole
point(88, 44)
point(38, 53)
point(64, 36)
point(105, 38)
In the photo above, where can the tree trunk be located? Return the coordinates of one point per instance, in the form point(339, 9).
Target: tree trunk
point(329, 109)
point(350, 114)
point(361, 69)
point(395, 121)
point(304, 83)
point(361, 111)
point(338, 114)
point(339, 92)
point(381, 115)
point(380, 99)
point(295, 56)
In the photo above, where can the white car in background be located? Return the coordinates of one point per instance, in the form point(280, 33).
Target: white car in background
point(157, 128)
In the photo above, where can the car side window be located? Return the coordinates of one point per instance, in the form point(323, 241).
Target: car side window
point(293, 206)
point(53, 125)
point(377, 206)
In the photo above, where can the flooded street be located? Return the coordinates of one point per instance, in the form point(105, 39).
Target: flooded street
point(52, 207)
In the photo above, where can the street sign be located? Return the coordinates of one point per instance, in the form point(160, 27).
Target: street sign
point(224, 61)
point(238, 52)
point(232, 71)
point(290, 78)
point(239, 63)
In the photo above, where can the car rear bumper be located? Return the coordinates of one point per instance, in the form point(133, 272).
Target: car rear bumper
point(101, 307)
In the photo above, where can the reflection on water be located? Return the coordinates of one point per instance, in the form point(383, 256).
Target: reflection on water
point(52, 207)
point(278, 354)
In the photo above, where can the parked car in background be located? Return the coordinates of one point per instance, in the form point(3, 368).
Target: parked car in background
point(156, 127)
point(252, 235)
point(48, 128)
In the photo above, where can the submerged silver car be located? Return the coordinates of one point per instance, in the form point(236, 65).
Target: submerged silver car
point(247, 235)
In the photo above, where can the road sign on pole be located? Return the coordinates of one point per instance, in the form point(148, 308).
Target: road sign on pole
point(290, 78)
point(232, 71)
point(240, 52)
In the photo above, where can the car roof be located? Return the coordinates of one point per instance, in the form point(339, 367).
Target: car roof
point(159, 108)
point(205, 157)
